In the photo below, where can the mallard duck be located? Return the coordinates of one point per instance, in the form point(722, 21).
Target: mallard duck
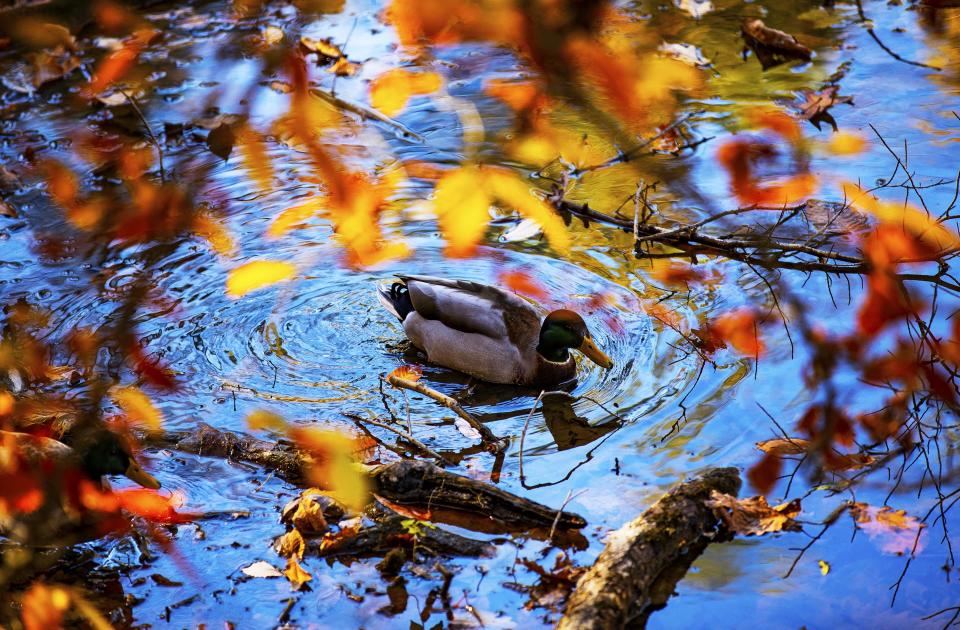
point(489, 333)
point(56, 469)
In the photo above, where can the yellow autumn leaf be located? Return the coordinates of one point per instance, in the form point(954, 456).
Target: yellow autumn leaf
point(308, 518)
point(271, 35)
point(847, 143)
point(6, 403)
point(291, 545)
point(334, 468)
point(261, 419)
point(296, 574)
point(256, 275)
point(513, 192)
point(824, 567)
point(390, 91)
point(904, 215)
point(463, 209)
point(138, 407)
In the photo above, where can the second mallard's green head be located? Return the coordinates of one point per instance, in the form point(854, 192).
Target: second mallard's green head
point(101, 453)
point(563, 330)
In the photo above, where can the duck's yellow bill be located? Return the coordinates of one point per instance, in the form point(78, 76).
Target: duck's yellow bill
point(138, 474)
point(595, 354)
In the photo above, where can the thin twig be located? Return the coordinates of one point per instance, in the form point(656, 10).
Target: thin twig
point(523, 434)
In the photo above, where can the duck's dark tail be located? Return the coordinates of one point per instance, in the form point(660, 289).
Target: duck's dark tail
point(396, 299)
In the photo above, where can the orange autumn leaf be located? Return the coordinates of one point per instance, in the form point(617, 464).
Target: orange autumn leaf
point(784, 446)
point(118, 63)
point(291, 545)
point(905, 215)
point(390, 91)
point(847, 143)
point(523, 283)
point(42, 607)
point(462, 206)
point(410, 373)
point(256, 275)
point(753, 516)
point(739, 328)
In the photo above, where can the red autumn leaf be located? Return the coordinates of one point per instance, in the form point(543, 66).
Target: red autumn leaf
point(118, 63)
point(521, 282)
point(764, 474)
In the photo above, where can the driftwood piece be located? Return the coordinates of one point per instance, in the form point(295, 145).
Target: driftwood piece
point(411, 483)
point(640, 563)
point(423, 485)
point(393, 532)
point(286, 461)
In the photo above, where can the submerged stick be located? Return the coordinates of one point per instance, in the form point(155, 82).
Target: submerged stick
point(451, 404)
point(645, 558)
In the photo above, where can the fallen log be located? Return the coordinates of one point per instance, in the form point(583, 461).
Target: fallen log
point(407, 482)
point(645, 558)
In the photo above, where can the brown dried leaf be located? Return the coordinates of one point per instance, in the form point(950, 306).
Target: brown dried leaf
point(816, 105)
point(771, 46)
point(753, 516)
point(784, 446)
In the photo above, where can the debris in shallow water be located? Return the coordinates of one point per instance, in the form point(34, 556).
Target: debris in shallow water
point(261, 569)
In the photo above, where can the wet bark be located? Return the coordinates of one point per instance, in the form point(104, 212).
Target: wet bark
point(644, 559)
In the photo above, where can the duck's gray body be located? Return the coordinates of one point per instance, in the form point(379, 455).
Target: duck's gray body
point(476, 329)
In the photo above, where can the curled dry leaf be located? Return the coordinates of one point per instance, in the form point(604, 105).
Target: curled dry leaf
point(753, 516)
point(410, 373)
point(772, 47)
point(308, 517)
point(816, 105)
point(296, 574)
point(896, 531)
point(784, 446)
point(291, 544)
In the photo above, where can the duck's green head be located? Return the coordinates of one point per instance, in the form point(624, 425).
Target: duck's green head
point(102, 453)
point(563, 330)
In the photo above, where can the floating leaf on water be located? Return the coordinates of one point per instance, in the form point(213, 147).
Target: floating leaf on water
point(466, 430)
point(221, 140)
point(896, 531)
point(271, 35)
point(296, 574)
point(261, 569)
point(753, 516)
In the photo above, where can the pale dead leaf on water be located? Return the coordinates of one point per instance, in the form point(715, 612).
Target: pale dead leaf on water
point(466, 430)
point(261, 569)
point(894, 530)
point(753, 516)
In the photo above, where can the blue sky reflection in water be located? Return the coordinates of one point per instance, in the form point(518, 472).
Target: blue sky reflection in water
point(314, 349)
